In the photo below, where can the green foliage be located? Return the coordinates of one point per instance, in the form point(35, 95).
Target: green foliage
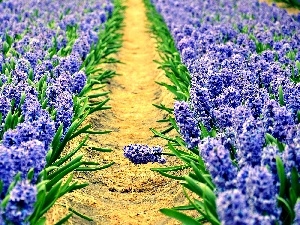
point(290, 3)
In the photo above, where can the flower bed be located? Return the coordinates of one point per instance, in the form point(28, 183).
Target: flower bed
point(48, 55)
point(237, 86)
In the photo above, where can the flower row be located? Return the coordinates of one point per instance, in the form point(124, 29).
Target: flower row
point(44, 56)
point(243, 62)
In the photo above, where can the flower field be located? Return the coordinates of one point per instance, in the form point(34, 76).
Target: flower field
point(230, 138)
point(237, 108)
point(49, 53)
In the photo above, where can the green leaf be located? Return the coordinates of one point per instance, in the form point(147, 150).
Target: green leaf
point(185, 219)
point(98, 132)
point(64, 219)
point(281, 98)
point(286, 205)
point(281, 175)
point(193, 186)
point(80, 215)
point(94, 168)
point(51, 197)
point(100, 106)
point(81, 131)
point(171, 168)
point(200, 177)
point(170, 176)
point(184, 207)
point(41, 221)
point(63, 173)
point(270, 139)
point(157, 133)
point(98, 95)
point(204, 132)
point(163, 107)
point(69, 155)
point(100, 149)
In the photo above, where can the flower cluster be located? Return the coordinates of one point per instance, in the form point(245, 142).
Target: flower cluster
point(187, 124)
point(20, 204)
point(143, 154)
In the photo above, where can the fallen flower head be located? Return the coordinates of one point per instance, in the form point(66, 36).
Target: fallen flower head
point(143, 154)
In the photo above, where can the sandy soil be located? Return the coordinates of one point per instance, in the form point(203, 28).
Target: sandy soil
point(126, 193)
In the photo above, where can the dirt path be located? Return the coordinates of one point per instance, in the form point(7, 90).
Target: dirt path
point(125, 193)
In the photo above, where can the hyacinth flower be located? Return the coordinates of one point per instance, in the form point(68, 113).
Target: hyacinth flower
point(290, 154)
point(143, 154)
point(277, 120)
point(297, 213)
point(187, 124)
point(233, 209)
point(218, 163)
point(20, 203)
point(250, 143)
point(254, 183)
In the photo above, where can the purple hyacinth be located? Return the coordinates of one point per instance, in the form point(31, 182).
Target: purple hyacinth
point(223, 117)
point(45, 127)
point(21, 203)
point(188, 55)
point(18, 76)
point(214, 84)
point(64, 107)
point(73, 63)
point(292, 99)
point(143, 154)
point(257, 185)
point(64, 81)
point(79, 81)
point(256, 101)
point(230, 97)
point(23, 65)
point(23, 132)
point(277, 120)
point(218, 163)
point(297, 213)
point(202, 105)
point(232, 208)
point(268, 158)
point(31, 108)
point(250, 143)
point(35, 156)
point(262, 194)
point(32, 58)
point(291, 154)
point(187, 124)
point(241, 114)
point(4, 106)
point(21, 158)
point(6, 168)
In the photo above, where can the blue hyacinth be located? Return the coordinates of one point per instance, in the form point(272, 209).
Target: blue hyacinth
point(143, 154)
point(297, 213)
point(218, 163)
point(232, 208)
point(79, 81)
point(256, 183)
point(21, 203)
point(187, 124)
